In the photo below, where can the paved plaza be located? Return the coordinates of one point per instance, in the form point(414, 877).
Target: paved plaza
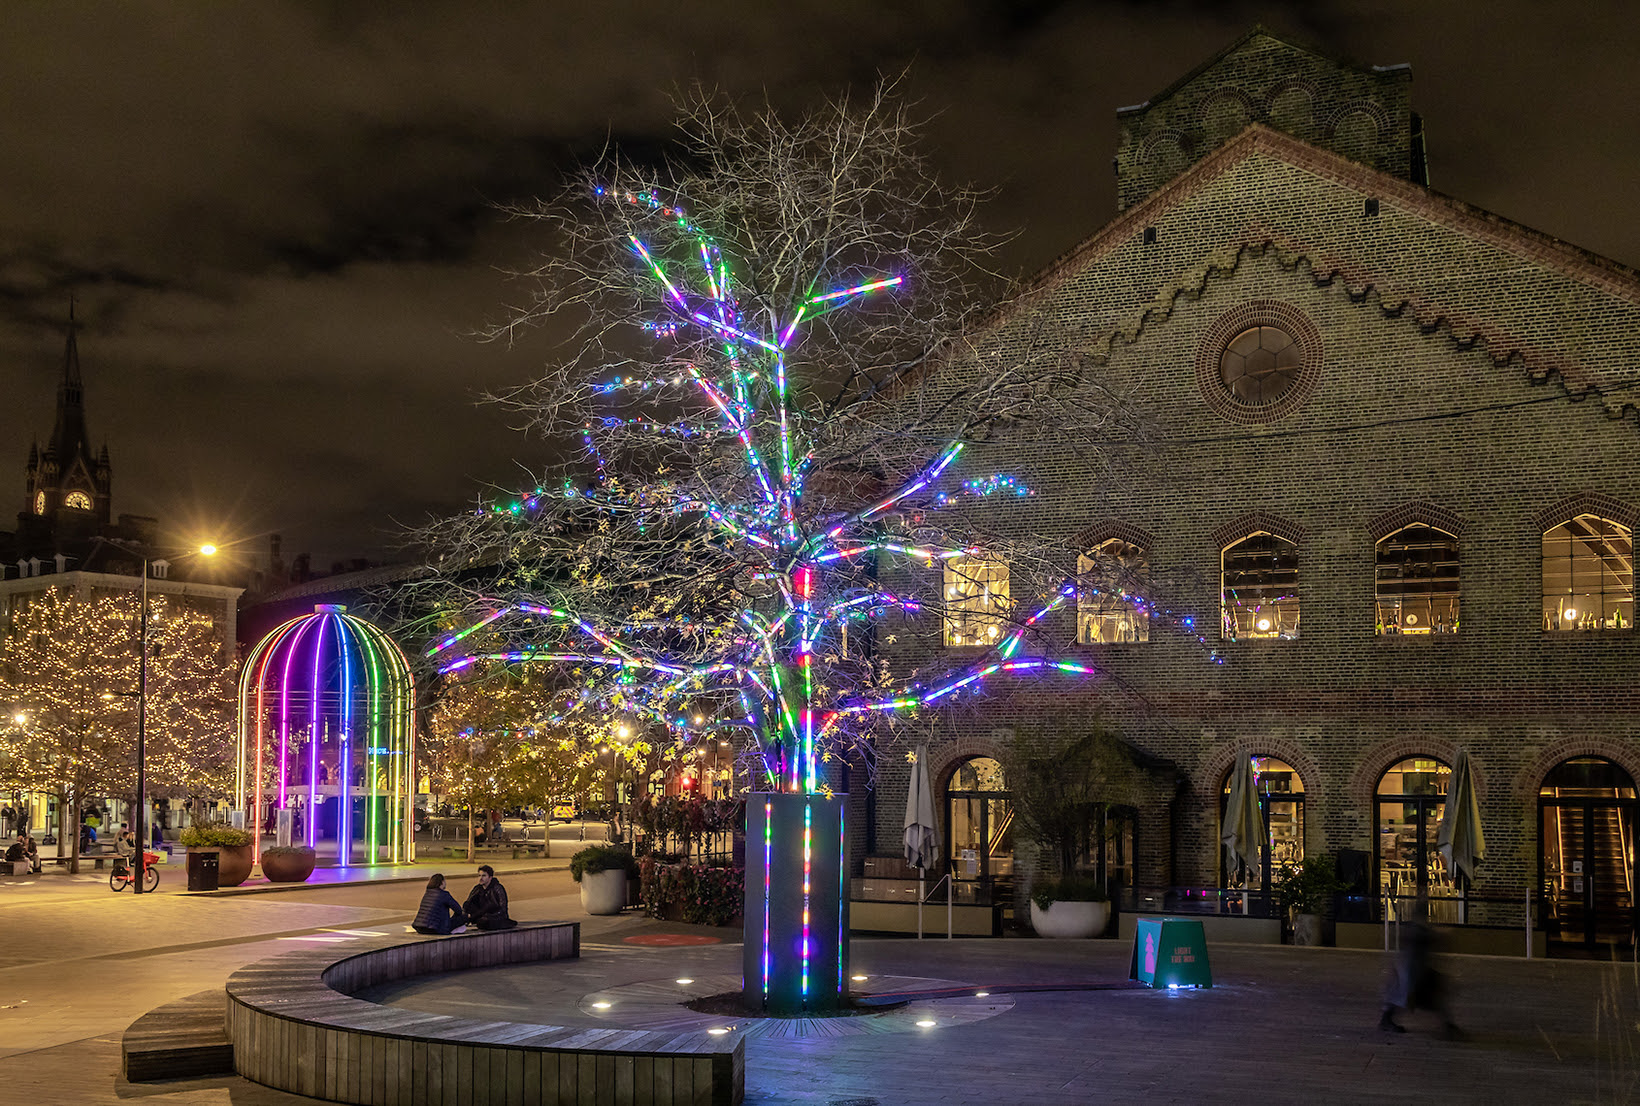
point(1282, 1024)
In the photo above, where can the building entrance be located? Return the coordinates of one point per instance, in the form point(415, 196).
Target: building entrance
point(1586, 816)
point(981, 826)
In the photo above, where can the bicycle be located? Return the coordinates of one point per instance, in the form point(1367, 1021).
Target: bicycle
point(122, 877)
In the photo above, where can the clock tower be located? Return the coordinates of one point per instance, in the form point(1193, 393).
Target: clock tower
point(65, 481)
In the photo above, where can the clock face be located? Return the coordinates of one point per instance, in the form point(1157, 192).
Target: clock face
point(78, 500)
point(39, 503)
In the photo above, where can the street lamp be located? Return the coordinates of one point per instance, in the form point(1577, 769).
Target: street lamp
point(206, 550)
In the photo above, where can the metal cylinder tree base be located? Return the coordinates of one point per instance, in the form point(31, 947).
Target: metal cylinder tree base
point(796, 950)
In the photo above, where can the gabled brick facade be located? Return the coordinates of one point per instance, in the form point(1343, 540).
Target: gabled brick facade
point(1466, 373)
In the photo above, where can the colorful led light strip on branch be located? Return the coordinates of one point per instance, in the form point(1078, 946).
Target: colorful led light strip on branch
point(327, 716)
point(726, 375)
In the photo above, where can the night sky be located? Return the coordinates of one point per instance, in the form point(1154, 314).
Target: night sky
point(278, 219)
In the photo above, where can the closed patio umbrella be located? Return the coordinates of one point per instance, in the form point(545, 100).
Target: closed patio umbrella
point(1459, 836)
point(922, 849)
point(1243, 831)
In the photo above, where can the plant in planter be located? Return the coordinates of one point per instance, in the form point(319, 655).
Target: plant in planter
point(233, 845)
point(1076, 906)
point(288, 863)
point(602, 872)
point(1304, 891)
point(1056, 787)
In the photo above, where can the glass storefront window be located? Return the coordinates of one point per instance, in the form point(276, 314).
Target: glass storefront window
point(1281, 801)
point(981, 823)
point(1407, 811)
point(1586, 828)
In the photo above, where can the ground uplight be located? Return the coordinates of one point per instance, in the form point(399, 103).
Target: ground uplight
point(601, 1005)
point(926, 1024)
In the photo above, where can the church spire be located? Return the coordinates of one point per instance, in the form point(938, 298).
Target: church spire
point(68, 437)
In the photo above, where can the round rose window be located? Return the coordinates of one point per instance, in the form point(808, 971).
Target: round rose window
point(1260, 365)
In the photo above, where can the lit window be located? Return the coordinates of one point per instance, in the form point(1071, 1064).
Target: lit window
point(1259, 596)
point(1588, 575)
point(1110, 606)
point(976, 601)
point(77, 500)
point(1281, 801)
point(1417, 582)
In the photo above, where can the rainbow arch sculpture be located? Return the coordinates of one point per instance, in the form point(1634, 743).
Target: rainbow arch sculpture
point(327, 712)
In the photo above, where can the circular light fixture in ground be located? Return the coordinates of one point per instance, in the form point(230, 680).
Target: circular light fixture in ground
point(685, 982)
point(981, 994)
point(926, 1024)
point(860, 978)
point(601, 1005)
point(717, 1032)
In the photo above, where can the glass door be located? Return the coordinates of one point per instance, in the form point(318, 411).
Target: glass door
point(1586, 816)
point(981, 833)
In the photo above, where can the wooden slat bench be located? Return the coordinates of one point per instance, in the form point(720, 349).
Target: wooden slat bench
point(296, 1026)
point(182, 1040)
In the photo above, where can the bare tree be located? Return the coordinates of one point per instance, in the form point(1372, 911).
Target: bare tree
point(771, 398)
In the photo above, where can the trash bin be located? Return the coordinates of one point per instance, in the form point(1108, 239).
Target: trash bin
point(202, 870)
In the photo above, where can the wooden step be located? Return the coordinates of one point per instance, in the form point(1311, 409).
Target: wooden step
point(182, 1040)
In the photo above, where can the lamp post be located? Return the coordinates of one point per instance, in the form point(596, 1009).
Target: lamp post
point(142, 716)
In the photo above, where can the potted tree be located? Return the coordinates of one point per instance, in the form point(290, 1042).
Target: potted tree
point(233, 845)
point(602, 871)
point(1056, 788)
point(1303, 892)
point(288, 863)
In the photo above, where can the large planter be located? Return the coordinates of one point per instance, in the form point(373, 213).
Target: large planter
point(234, 866)
point(1070, 919)
point(288, 867)
point(604, 892)
point(1307, 929)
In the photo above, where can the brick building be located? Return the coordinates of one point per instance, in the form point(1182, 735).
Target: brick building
point(1391, 478)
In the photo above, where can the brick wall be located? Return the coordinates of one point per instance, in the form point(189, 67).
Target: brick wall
point(1425, 310)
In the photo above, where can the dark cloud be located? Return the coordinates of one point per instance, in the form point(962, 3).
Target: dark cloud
point(279, 219)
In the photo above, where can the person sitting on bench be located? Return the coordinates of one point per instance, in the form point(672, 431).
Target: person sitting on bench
point(486, 904)
point(438, 914)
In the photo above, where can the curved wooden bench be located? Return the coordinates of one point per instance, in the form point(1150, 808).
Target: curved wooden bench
point(296, 1026)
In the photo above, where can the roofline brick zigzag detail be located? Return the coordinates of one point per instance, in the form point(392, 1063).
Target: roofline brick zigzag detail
point(1537, 247)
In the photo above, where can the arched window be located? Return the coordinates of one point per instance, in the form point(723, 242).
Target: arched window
point(976, 600)
point(1110, 605)
point(980, 826)
point(1588, 575)
point(1281, 801)
point(1407, 810)
point(1417, 582)
point(1586, 825)
point(1259, 593)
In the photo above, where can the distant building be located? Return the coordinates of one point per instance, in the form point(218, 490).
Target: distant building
point(65, 539)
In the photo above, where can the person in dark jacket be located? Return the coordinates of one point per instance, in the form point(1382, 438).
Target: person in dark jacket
point(438, 913)
point(486, 904)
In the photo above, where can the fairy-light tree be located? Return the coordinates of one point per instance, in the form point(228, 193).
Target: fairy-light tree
point(490, 744)
point(68, 678)
point(769, 475)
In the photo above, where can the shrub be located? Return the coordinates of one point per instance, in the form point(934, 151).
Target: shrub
point(218, 835)
point(712, 896)
point(287, 850)
point(601, 858)
point(1074, 888)
point(1309, 888)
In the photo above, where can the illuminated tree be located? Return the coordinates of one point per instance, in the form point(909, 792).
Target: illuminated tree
point(770, 478)
point(491, 742)
point(68, 678)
